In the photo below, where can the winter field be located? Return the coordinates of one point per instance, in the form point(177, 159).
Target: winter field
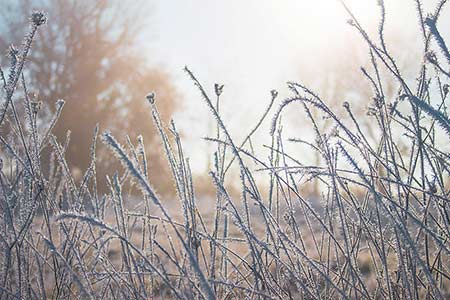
point(367, 218)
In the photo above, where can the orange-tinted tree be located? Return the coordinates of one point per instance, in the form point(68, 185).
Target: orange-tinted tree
point(88, 56)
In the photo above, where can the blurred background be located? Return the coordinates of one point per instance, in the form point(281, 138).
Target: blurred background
point(103, 57)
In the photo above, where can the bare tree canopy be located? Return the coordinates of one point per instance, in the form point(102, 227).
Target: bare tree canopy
point(88, 56)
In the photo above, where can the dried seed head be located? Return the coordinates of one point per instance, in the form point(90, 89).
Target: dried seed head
point(36, 106)
point(274, 94)
point(346, 105)
point(38, 18)
point(218, 88)
point(151, 97)
point(378, 101)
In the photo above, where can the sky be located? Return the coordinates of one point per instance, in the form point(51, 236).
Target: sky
point(255, 46)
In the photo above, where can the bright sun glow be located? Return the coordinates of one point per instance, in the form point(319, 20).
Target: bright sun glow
point(326, 14)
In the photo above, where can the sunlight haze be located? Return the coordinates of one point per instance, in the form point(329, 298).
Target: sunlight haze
point(258, 45)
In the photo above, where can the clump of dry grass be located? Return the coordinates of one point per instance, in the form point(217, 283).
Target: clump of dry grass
point(379, 230)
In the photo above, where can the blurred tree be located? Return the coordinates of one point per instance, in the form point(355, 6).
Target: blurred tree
point(87, 55)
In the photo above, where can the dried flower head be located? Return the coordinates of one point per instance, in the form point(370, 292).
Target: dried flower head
point(38, 18)
point(274, 93)
point(378, 101)
point(218, 88)
point(151, 97)
point(346, 105)
point(36, 106)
